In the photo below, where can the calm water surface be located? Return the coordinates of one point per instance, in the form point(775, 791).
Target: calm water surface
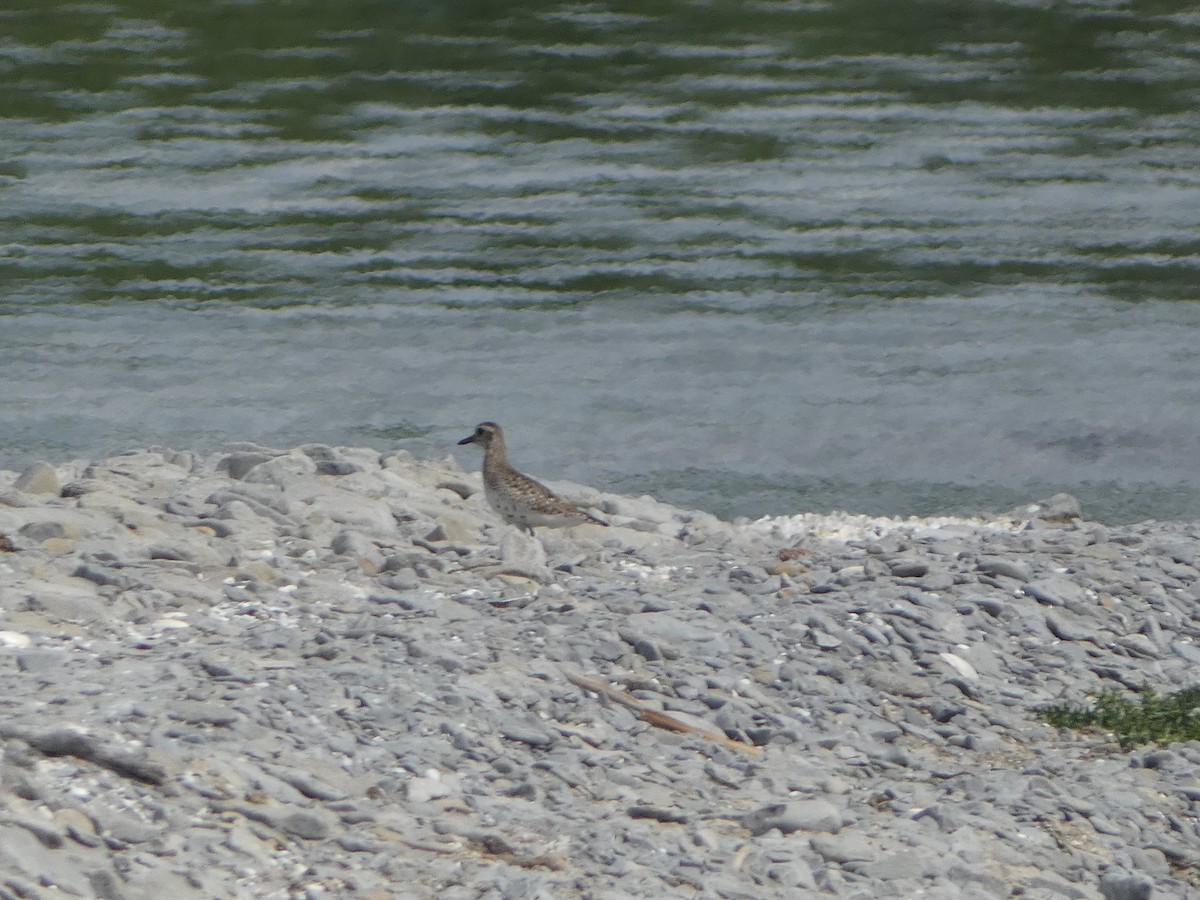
point(754, 257)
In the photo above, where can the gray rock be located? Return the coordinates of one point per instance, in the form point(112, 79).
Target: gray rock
point(1064, 631)
point(823, 640)
point(844, 848)
point(103, 576)
point(329, 461)
point(22, 852)
point(799, 815)
point(239, 464)
point(49, 836)
point(306, 824)
point(936, 579)
point(353, 544)
point(1184, 552)
point(424, 603)
point(458, 486)
point(897, 683)
point(307, 784)
point(1005, 568)
point(990, 605)
point(38, 478)
point(908, 568)
point(70, 602)
point(524, 556)
point(45, 530)
point(667, 627)
point(647, 650)
point(894, 866)
point(280, 470)
point(534, 737)
point(199, 713)
point(216, 668)
point(1056, 591)
point(1118, 886)
point(1060, 508)
point(1187, 651)
point(129, 830)
point(401, 580)
point(247, 704)
point(105, 885)
point(41, 661)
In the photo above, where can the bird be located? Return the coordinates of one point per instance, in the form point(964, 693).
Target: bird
point(517, 498)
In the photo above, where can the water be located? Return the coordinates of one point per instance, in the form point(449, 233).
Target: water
point(752, 257)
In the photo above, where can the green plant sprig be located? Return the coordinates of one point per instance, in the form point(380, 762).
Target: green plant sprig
point(1144, 718)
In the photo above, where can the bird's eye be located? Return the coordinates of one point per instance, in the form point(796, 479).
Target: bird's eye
point(479, 432)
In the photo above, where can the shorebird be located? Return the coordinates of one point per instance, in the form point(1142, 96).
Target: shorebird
point(517, 498)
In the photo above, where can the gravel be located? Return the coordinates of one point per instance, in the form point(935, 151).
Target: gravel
point(325, 672)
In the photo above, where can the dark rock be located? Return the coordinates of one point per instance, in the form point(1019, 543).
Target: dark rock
point(800, 815)
point(1116, 886)
point(530, 736)
point(1005, 568)
point(657, 814)
point(310, 826)
point(1060, 508)
point(238, 465)
point(43, 531)
point(908, 568)
point(1055, 591)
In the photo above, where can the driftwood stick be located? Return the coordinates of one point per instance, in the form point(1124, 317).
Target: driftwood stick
point(657, 717)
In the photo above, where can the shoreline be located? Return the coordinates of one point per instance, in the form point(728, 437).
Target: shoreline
point(330, 671)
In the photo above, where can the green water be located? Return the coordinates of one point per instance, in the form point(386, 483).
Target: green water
point(757, 257)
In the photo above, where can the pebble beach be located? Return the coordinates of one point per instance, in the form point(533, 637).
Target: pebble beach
point(328, 672)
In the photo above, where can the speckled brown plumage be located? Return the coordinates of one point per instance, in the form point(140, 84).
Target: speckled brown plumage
point(517, 498)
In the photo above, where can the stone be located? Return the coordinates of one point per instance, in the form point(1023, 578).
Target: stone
point(228, 702)
point(1119, 886)
point(351, 543)
point(38, 478)
point(22, 852)
point(307, 824)
point(908, 568)
point(1062, 629)
point(534, 737)
point(1056, 591)
point(799, 815)
point(1059, 508)
point(239, 464)
point(77, 601)
point(41, 661)
point(280, 470)
point(959, 665)
point(46, 530)
point(896, 866)
point(1006, 569)
point(329, 461)
point(200, 713)
point(432, 786)
point(844, 848)
point(103, 577)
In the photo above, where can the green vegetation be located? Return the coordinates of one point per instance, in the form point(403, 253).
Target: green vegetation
point(1134, 720)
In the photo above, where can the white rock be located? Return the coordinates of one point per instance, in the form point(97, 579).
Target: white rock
point(959, 665)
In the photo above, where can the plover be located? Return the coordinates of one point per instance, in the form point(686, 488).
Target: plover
point(517, 498)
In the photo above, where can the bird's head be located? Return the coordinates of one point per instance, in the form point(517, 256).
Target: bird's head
point(483, 434)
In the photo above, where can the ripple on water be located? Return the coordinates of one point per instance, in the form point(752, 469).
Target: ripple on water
point(807, 255)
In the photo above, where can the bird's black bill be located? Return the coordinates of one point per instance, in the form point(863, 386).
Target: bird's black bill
point(469, 439)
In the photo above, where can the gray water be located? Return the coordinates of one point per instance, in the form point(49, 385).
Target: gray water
point(752, 257)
